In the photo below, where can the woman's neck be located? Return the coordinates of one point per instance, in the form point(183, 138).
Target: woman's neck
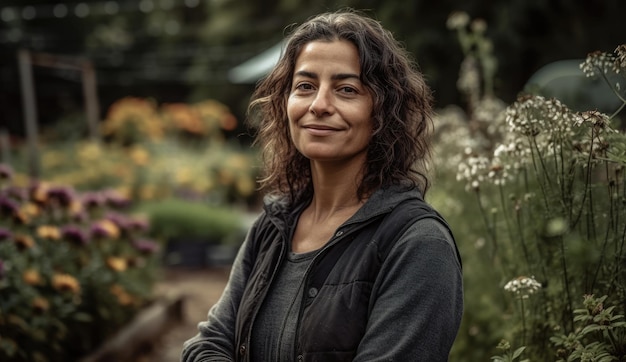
point(334, 191)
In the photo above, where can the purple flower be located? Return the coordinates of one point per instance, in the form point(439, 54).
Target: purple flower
point(4, 234)
point(17, 193)
point(120, 220)
point(138, 224)
point(98, 231)
point(6, 172)
point(74, 235)
point(8, 206)
point(92, 200)
point(146, 246)
point(115, 200)
point(62, 195)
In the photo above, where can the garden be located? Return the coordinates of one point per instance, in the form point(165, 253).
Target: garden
point(534, 191)
point(81, 249)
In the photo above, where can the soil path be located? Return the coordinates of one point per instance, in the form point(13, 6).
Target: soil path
point(201, 288)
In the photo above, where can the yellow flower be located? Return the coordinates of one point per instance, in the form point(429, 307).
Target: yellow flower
point(24, 242)
point(183, 175)
point(244, 185)
point(21, 217)
point(30, 209)
point(40, 192)
point(140, 156)
point(48, 232)
point(90, 152)
point(40, 305)
point(51, 159)
point(117, 264)
point(123, 297)
point(65, 283)
point(32, 277)
point(76, 207)
point(111, 229)
point(185, 118)
point(147, 192)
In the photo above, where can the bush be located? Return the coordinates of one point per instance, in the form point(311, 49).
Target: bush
point(74, 268)
point(172, 218)
point(544, 256)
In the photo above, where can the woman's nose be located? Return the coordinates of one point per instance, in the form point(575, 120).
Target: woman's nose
point(322, 104)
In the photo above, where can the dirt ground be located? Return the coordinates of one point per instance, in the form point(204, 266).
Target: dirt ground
point(201, 288)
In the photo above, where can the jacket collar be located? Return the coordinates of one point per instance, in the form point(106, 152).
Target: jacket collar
point(382, 201)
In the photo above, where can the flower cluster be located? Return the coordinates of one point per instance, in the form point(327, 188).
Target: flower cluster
point(523, 286)
point(532, 115)
point(601, 63)
point(473, 171)
point(71, 263)
point(130, 120)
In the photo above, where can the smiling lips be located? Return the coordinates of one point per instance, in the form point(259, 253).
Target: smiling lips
point(320, 130)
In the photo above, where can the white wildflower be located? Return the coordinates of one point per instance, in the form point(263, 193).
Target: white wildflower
point(523, 286)
point(457, 20)
point(599, 63)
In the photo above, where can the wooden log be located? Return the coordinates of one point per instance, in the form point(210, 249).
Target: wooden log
point(145, 330)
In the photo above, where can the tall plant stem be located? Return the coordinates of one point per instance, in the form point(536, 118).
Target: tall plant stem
point(587, 180)
point(521, 300)
point(490, 229)
point(610, 227)
point(541, 186)
point(566, 282)
point(504, 211)
point(520, 230)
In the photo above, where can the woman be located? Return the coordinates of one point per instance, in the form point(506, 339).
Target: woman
point(347, 262)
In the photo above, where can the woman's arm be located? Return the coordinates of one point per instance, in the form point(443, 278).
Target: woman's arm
point(417, 299)
point(216, 338)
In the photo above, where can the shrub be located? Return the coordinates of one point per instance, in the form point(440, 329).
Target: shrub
point(74, 268)
point(181, 218)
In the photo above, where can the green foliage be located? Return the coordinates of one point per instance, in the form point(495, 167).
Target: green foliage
point(508, 355)
point(547, 184)
point(600, 334)
point(74, 269)
point(181, 218)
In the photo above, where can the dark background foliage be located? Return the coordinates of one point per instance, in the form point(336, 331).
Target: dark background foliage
point(182, 50)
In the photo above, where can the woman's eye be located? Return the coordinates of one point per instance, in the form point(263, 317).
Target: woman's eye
point(348, 90)
point(303, 86)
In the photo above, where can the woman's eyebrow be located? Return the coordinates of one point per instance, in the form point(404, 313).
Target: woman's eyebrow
point(338, 76)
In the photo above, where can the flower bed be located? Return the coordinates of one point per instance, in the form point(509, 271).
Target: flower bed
point(74, 269)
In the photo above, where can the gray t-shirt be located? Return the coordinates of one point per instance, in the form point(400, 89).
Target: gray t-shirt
point(274, 331)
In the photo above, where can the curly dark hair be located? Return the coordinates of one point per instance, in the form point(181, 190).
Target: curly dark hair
point(399, 152)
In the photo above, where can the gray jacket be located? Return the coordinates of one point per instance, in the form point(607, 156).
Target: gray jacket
point(388, 286)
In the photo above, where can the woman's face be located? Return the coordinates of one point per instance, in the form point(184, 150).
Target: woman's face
point(329, 109)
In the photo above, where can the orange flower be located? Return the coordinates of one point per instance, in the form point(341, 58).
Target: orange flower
point(65, 283)
point(48, 232)
point(24, 242)
point(20, 217)
point(75, 207)
point(40, 192)
point(228, 122)
point(40, 305)
point(32, 277)
point(117, 264)
point(105, 229)
point(123, 297)
point(30, 210)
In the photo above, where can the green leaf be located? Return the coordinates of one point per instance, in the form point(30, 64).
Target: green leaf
point(518, 352)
